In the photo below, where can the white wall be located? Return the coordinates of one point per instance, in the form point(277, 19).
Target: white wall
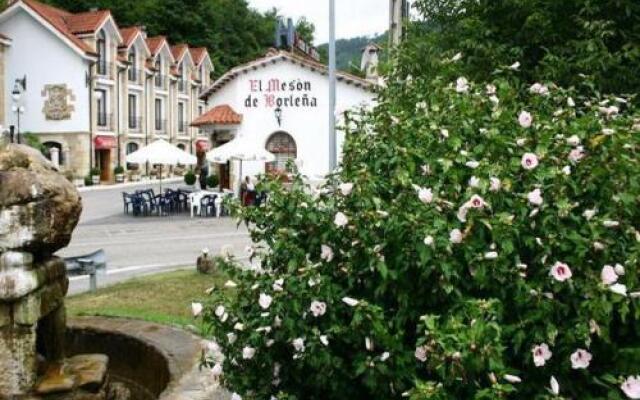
point(45, 59)
point(308, 126)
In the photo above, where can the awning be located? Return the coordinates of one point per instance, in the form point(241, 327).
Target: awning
point(105, 142)
point(219, 115)
point(202, 145)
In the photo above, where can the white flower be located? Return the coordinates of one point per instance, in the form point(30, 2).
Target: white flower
point(472, 164)
point(340, 220)
point(634, 295)
point(491, 89)
point(610, 111)
point(512, 378)
point(576, 154)
point(425, 195)
point(346, 188)
point(598, 246)
point(298, 345)
point(611, 224)
point(495, 184)
point(457, 57)
point(492, 255)
point(521, 142)
point(421, 353)
point(326, 253)
point(525, 119)
point(538, 88)
point(368, 344)
point(573, 140)
point(236, 396)
point(515, 66)
point(555, 386)
point(248, 353)
point(196, 309)
point(571, 102)
point(238, 326)
point(619, 268)
point(318, 308)
point(428, 241)
point(277, 285)
point(619, 288)
point(444, 133)
point(324, 340)
point(265, 301)
point(462, 85)
point(566, 170)
point(529, 161)
point(631, 387)
point(230, 284)
point(350, 302)
point(588, 214)
point(581, 359)
point(232, 337)
point(455, 236)
point(561, 272)
point(494, 99)
point(474, 182)
point(476, 202)
point(608, 275)
point(462, 213)
point(216, 371)
point(535, 197)
point(608, 131)
point(385, 356)
point(541, 354)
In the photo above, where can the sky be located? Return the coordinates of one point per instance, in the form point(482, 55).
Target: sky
point(353, 17)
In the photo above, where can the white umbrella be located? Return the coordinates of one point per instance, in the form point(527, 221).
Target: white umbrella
point(241, 150)
point(161, 153)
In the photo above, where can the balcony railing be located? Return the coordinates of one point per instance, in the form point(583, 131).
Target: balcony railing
point(161, 126)
point(161, 81)
point(182, 85)
point(182, 127)
point(135, 124)
point(104, 69)
point(105, 122)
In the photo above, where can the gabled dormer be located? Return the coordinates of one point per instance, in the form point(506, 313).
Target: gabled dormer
point(98, 29)
point(203, 66)
point(183, 66)
point(135, 51)
point(161, 60)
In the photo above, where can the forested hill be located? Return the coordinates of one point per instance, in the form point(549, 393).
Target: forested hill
point(349, 51)
point(233, 32)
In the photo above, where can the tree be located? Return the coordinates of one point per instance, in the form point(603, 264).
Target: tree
point(553, 40)
point(306, 30)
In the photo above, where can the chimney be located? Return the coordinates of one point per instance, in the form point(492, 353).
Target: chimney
point(370, 61)
point(143, 29)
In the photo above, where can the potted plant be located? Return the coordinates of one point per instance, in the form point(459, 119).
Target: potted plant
point(212, 181)
point(95, 176)
point(190, 178)
point(88, 181)
point(119, 174)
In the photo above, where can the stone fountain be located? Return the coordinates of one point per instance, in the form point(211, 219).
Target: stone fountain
point(39, 209)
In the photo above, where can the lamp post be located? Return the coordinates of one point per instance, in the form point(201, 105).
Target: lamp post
point(333, 159)
point(278, 114)
point(19, 88)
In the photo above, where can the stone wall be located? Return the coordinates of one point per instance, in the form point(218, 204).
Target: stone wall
point(75, 150)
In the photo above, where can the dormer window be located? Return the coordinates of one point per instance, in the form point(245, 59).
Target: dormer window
point(159, 77)
point(101, 48)
point(133, 65)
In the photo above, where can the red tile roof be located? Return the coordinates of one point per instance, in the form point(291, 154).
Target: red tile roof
point(128, 35)
point(219, 115)
point(87, 22)
point(58, 18)
point(179, 50)
point(155, 44)
point(198, 54)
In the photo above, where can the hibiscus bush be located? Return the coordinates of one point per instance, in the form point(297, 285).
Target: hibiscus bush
point(478, 242)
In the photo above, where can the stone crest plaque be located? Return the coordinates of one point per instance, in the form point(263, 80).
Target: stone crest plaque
point(58, 102)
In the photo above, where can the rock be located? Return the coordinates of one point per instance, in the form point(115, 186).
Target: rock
point(39, 207)
point(118, 391)
point(55, 380)
point(89, 370)
point(18, 363)
point(206, 264)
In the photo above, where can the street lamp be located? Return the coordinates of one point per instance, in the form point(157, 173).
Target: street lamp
point(19, 88)
point(278, 113)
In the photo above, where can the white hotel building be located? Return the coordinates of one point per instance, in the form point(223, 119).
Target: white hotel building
point(95, 91)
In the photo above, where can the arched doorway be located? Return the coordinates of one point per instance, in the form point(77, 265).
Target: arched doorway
point(284, 147)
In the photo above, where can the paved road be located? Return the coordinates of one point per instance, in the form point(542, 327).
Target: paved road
point(143, 245)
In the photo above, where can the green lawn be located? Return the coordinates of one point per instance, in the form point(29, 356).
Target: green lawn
point(164, 298)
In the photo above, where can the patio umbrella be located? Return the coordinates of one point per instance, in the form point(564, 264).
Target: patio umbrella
point(240, 150)
point(161, 153)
